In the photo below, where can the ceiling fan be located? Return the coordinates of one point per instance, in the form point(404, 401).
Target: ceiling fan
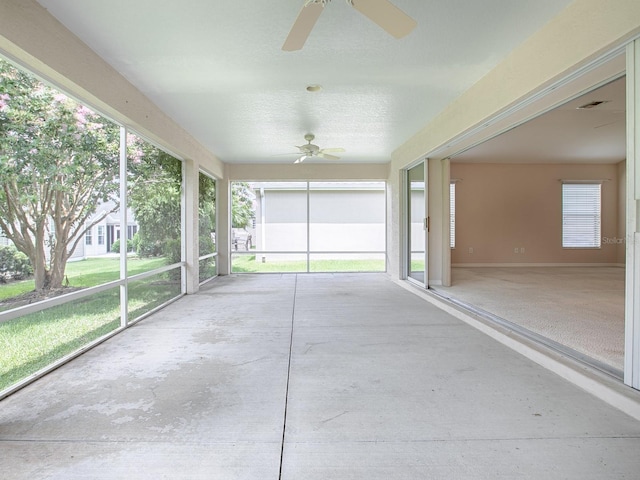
point(310, 150)
point(381, 12)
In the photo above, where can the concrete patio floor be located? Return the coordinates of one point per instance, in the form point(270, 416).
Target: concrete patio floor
point(310, 377)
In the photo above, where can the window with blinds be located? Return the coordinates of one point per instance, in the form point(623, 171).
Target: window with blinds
point(581, 218)
point(452, 213)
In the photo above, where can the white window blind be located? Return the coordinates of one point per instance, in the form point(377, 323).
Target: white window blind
point(452, 212)
point(581, 215)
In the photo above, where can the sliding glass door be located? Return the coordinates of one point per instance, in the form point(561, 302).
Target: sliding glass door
point(416, 224)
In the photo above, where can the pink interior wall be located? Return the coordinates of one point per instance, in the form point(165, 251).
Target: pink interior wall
point(501, 207)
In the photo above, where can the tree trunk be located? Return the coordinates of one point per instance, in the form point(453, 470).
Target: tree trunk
point(41, 275)
point(58, 264)
point(39, 258)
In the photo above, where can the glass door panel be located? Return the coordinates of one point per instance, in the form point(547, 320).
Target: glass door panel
point(416, 222)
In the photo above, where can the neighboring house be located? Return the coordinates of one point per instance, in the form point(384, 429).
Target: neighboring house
point(99, 239)
point(339, 217)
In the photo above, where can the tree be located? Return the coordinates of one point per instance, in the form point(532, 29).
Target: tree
point(242, 211)
point(155, 186)
point(58, 161)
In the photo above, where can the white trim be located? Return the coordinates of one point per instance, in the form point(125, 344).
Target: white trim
point(632, 298)
point(531, 265)
point(124, 285)
point(594, 181)
point(448, 148)
point(446, 221)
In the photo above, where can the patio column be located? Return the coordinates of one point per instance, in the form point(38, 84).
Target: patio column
point(190, 245)
point(223, 227)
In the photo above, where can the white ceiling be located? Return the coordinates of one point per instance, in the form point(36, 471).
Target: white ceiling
point(566, 134)
point(217, 67)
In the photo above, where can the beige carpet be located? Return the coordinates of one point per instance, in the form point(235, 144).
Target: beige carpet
point(579, 307)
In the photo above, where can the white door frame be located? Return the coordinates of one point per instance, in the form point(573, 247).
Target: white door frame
point(632, 286)
point(406, 192)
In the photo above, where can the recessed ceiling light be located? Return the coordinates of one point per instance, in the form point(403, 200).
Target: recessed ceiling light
point(314, 88)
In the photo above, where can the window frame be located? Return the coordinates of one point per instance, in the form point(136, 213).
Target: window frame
point(579, 199)
point(452, 215)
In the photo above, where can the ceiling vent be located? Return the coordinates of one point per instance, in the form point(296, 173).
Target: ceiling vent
point(589, 105)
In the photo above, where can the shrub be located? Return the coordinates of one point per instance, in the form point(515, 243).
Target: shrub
point(115, 246)
point(14, 265)
point(172, 250)
point(149, 248)
point(206, 245)
point(135, 243)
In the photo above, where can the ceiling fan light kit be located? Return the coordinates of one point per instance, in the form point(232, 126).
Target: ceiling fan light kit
point(382, 12)
point(309, 150)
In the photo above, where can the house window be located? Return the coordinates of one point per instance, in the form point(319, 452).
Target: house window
point(88, 237)
point(581, 218)
point(131, 231)
point(100, 235)
point(452, 214)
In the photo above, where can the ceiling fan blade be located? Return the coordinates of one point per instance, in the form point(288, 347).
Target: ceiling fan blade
point(302, 27)
point(328, 157)
point(387, 16)
point(332, 150)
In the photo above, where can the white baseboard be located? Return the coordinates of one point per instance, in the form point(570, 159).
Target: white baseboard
point(531, 265)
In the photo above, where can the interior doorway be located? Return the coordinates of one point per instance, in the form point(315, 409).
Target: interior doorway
point(511, 259)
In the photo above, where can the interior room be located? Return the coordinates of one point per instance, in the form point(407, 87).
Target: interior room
point(509, 259)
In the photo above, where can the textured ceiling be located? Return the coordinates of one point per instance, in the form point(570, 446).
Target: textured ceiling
point(566, 134)
point(217, 67)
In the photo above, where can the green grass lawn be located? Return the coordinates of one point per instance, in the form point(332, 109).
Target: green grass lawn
point(87, 273)
point(31, 342)
point(248, 264)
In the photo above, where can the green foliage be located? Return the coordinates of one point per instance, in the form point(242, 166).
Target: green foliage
point(248, 264)
point(31, 342)
point(14, 265)
point(58, 162)
point(207, 268)
point(155, 187)
point(207, 214)
point(87, 273)
point(241, 205)
point(115, 246)
point(149, 248)
point(135, 242)
point(172, 250)
point(206, 245)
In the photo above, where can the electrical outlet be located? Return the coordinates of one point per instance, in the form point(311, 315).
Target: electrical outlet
point(521, 249)
point(515, 250)
point(470, 250)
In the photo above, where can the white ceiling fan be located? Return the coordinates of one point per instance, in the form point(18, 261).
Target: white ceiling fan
point(310, 150)
point(381, 12)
